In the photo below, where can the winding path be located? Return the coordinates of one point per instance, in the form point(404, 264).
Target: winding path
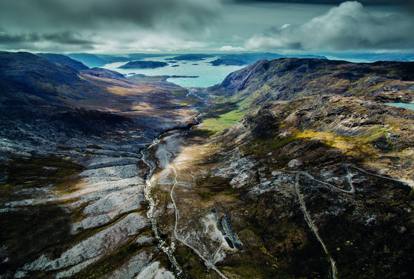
point(307, 215)
point(168, 250)
point(311, 224)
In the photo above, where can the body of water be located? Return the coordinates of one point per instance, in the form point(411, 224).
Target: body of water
point(409, 106)
point(208, 75)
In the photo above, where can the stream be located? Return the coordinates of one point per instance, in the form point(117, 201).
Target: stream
point(162, 244)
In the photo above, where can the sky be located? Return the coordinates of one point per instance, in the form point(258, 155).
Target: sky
point(124, 26)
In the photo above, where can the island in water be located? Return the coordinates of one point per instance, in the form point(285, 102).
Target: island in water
point(143, 65)
point(191, 57)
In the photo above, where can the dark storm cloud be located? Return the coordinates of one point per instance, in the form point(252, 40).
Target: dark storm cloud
point(49, 23)
point(181, 25)
point(66, 38)
point(82, 13)
point(30, 39)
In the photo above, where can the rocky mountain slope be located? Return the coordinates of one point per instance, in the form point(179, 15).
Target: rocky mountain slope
point(307, 185)
point(284, 79)
point(43, 102)
point(64, 60)
point(307, 188)
point(71, 193)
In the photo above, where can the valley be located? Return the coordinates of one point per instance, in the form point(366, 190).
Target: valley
point(289, 168)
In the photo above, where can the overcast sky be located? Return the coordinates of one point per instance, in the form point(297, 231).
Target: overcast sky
point(109, 26)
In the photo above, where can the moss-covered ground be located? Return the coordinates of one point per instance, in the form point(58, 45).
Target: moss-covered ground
point(223, 121)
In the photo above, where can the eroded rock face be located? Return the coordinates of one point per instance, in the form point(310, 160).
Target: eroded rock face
point(94, 223)
point(91, 249)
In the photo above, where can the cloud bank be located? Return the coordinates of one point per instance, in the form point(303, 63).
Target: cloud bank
point(95, 13)
point(350, 26)
point(203, 25)
point(88, 24)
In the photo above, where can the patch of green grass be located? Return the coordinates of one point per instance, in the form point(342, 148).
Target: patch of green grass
point(200, 133)
point(220, 108)
point(246, 102)
point(208, 187)
point(223, 121)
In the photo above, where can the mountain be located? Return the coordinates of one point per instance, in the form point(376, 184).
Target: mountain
point(99, 60)
point(298, 188)
point(30, 82)
point(190, 57)
point(28, 78)
point(96, 60)
point(239, 59)
point(284, 79)
point(60, 126)
point(372, 57)
point(104, 73)
point(64, 60)
point(298, 168)
point(88, 59)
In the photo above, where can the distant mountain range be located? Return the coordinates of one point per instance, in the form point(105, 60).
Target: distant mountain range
point(191, 57)
point(99, 60)
point(249, 58)
point(372, 57)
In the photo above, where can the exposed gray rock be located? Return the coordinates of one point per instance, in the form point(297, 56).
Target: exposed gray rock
point(154, 271)
point(90, 249)
point(133, 267)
